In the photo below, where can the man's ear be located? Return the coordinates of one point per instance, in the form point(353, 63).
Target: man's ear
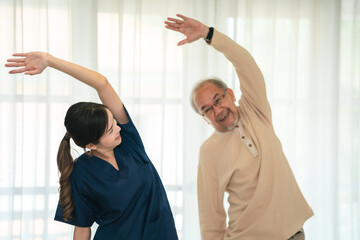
point(231, 93)
point(91, 146)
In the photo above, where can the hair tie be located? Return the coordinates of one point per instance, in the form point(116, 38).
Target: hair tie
point(67, 136)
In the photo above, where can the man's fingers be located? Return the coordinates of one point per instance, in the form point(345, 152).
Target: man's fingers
point(172, 24)
point(172, 28)
point(182, 42)
point(174, 20)
point(181, 16)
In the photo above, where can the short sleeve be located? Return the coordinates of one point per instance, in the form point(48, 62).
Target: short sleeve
point(85, 210)
point(130, 134)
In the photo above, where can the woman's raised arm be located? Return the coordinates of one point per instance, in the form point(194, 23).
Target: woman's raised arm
point(33, 63)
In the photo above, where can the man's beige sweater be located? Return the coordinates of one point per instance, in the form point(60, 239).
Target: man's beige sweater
point(265, 200)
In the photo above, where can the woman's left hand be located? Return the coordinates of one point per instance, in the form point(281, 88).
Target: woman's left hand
point(29, 63)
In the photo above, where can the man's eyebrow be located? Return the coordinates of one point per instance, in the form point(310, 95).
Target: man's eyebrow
point(217, 94)
point(214, 97)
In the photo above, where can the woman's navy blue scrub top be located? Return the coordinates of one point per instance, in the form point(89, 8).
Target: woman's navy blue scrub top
point(129, 203)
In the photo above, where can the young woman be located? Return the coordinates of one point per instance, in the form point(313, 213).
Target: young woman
point(114, 184)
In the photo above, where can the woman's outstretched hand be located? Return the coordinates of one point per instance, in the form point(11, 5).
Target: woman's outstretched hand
point(29, 63)
point(191, 28)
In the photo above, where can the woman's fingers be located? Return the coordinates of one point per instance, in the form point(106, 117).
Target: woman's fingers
point(16, 64)
point(20, 70)
point(20, 54)
point(16, 60)
point(33, 72)
point(25, 63)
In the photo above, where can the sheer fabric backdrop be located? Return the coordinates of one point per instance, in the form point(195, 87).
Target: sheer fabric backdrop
point(309, 52)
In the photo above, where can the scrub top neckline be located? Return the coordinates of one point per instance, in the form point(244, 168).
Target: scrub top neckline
point(109, 169)
point(105, 163)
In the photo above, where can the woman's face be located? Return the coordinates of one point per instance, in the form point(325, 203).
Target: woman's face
point(111, 138)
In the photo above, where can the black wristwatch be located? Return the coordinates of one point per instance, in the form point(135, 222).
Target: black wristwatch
point(210, 35)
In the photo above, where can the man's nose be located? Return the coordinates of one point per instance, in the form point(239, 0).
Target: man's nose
point(217, 110)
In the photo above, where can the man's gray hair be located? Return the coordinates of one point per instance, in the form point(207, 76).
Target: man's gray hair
point(215, 81)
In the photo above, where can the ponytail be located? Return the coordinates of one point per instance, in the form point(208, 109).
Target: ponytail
point(85, 123)
point(65, 164)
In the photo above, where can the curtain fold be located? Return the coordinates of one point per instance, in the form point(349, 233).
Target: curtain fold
point(309, 52)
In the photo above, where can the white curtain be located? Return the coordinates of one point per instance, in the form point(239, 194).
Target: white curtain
point(309, 52)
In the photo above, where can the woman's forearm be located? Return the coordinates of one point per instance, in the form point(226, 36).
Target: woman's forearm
point(82, 233)
point(85, 75)
point(33, 63)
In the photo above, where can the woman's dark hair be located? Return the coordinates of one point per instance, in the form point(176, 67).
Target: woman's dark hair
point(85, 123)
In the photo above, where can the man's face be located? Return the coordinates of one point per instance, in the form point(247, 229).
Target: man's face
point(217, 106)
